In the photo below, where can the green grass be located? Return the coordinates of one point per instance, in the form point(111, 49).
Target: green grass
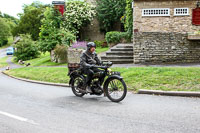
point(43, 60)
point(156, 78)
point(100, 50)
point(48, 74)
point(3, 62)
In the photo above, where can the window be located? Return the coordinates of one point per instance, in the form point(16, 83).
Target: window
point(156, 12)
point(181, 11)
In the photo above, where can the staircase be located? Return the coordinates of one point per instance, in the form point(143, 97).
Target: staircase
point(119, 54)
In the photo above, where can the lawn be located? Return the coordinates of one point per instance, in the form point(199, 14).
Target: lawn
point(100, 50)
point(3, 62)
point(157, 78)
point(44, 60)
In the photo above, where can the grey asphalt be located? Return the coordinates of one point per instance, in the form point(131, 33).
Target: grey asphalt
point(56, 110)
point(2, 53)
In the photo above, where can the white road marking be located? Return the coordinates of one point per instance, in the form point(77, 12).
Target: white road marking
point(18, 118)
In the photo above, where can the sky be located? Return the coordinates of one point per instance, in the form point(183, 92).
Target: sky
point(13, 7)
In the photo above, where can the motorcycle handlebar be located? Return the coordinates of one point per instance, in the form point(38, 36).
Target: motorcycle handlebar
point(103, 67)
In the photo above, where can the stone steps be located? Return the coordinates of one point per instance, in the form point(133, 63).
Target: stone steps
point(116, 57)
point(119, 54)
point(121, 49)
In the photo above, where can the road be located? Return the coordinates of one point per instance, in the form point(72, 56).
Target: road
point(34, 108)
point(2, 53)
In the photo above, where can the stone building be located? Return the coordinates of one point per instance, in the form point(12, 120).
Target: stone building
point(163, 31)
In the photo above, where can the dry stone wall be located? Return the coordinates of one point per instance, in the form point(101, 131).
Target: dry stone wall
point(156, 47)
point(164, 39)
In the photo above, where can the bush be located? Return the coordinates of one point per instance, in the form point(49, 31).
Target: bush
point(51, 34)
point(60, 53)
point(80, 45)
point(101, 44)
point(115, 37)
point(109, 12)
point(4, 32)
point(26, 48)
point(77, 15)
point(3, 42)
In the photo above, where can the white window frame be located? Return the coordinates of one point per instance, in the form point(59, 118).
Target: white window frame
point(181, 14)
point(155, 12)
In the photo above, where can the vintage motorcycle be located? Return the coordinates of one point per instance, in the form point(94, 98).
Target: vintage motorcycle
point(114, 86)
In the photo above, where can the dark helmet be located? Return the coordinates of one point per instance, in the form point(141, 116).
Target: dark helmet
point(91, 44)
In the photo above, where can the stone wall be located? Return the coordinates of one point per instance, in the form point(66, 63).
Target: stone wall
point(157, 47)
point(164, 24)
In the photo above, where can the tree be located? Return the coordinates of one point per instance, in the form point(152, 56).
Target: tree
point(26, 48)
point(77, 15)
point(51, 34)
point(109, 12)
point(30, 20)
point(4, 32)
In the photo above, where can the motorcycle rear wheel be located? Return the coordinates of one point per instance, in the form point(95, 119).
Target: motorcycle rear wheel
point(116, 89)
point(77, 85)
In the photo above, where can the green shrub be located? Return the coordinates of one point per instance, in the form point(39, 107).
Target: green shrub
point(51, 34)
point(77, 15)
point(129, 17)
point(4, 32)
point(115, 37)
point(60, 52)
point(26, 48)
point(100, 44)
point(109, 12)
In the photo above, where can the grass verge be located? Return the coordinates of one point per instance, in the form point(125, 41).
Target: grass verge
point(48, 74)
point(151, 78)
point(100, 50)
point(43, 60)
point(3, 62)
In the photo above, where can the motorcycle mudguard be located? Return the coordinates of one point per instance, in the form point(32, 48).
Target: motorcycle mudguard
point(110, 77)
point(72, 78)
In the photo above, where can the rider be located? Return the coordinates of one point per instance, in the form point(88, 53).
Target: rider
point(88, 60)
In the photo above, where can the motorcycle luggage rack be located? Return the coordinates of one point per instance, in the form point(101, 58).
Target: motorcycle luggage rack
point(72, 67)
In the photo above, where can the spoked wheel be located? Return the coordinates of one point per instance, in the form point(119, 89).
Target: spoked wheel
point(116, 89)
point(77, 86)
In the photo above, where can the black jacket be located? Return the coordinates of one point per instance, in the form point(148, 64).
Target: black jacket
point(88, 59)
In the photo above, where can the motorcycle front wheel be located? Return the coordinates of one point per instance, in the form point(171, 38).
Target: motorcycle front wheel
point(77, 85)
point(116, 89)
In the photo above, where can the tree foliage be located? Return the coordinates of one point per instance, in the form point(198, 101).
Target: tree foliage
point(4, 31)
point(77, 15)
point(26, 48)
point(109, 12)
point(129, 17)
point(30, 20)
point(51, 34)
